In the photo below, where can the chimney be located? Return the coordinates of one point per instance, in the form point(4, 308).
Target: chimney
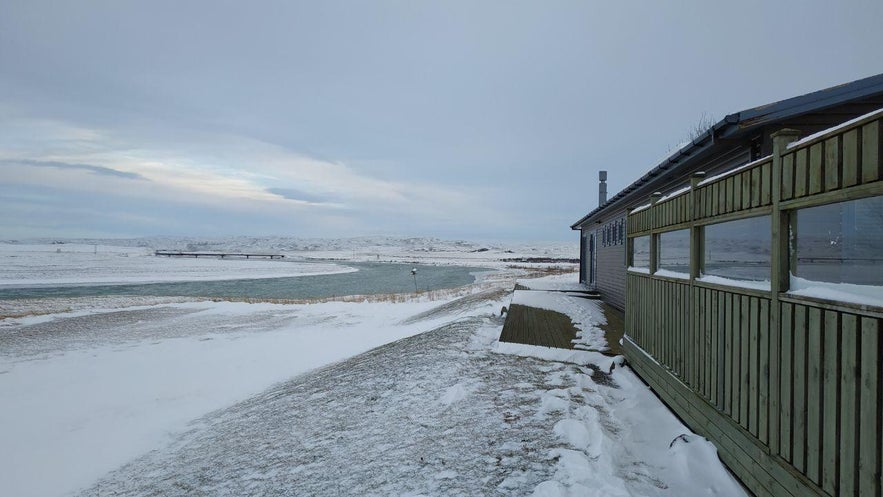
point(602, 187)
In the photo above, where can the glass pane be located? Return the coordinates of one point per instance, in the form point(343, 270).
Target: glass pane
point(739, 250)
point(674, 251)
point(641, 251)
point(841, 243)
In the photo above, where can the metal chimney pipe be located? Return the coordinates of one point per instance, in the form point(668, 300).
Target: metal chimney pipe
point(602, 187)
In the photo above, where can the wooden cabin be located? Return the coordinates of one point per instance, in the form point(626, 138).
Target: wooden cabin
point(749, 267)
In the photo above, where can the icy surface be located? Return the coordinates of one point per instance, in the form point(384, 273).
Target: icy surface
point(844, 292)
point(672, 274)
point(720, 280)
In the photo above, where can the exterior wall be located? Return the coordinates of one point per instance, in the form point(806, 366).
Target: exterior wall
point(788, 387)
point(611, 275)
point(610, 261)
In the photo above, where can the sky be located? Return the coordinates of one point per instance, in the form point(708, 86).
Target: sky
point(470, 120)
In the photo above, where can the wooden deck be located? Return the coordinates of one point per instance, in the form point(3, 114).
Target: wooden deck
point(218, 255)
point(547, 328)
point(533, 326)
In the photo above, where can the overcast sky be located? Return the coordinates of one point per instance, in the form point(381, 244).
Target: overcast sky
point(479, 120)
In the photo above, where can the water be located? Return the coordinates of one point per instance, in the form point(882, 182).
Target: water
point(371, 278)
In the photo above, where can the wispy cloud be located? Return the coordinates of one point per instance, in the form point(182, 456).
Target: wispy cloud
point(305, 197)
point(100, 170)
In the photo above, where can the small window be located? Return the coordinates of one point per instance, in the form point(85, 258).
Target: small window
point(841, 243)
point(640, 255)
point(739, 250)
point(674, 252)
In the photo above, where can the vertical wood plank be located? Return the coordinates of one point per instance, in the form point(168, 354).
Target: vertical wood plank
point(728, 352)
point(737, 191)
point(753, 349)
point(728, 184)
point(695, 344)
point(744, 358)
point(831, 396)
point(851, 158)
point(721, 360)
point(832, 163)
point(763, 390)
point(800, 172)
point(848, 408)
point(714, 331)
point(871, 152)
point(747, 190)
point(869, 417)
point(766, 179)
point(775, 378)
point(816, 178)
point(785, 402)
point(788, 176)
point(756, 187)
point(814, 393)
point(798, 416)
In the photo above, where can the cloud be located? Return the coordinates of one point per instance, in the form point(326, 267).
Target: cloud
point(224, 182)
point(305, 197)
point(100, 170)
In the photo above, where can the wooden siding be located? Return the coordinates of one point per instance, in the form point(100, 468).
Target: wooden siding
point(610, 280)
point(789, 388)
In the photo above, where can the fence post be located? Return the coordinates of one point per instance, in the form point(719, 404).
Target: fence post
point(697, 250)
point(779, 258)
point(779, 279)
point(654, 238)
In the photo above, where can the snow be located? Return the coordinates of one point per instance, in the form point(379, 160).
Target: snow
point(604, 427)
point(151, 396)
point(730, 172)
point(842, 292)
point(129, 396)
point(672, 274)
point(636, 269)
point(679, 191)
point(558, 282)
point(586, 315)
point(641, 208)
point(67, 264)
point(720, 280)
point(834, 129)
point(428, 250)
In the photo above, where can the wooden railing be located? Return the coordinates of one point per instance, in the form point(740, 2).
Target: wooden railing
point(788, 387)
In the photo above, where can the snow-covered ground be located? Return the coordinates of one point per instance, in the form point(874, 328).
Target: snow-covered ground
point(357, 249)
point(72, 263)
point(166, 397)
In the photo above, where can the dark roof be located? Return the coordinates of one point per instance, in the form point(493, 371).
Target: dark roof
point(742, 123)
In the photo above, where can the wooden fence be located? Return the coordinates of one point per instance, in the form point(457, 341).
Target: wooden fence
point(789, 388)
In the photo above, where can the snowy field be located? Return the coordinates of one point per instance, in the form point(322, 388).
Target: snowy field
point(405, 395)
point(73, 263)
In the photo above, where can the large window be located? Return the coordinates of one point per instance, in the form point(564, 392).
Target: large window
point(674, 252)
point(841, 243)
point(739, 250)
point(641, 252)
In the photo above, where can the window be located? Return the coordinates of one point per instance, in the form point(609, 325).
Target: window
point(841, 243)
point(674, 251)
point(641, 252)
point(739, 250)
